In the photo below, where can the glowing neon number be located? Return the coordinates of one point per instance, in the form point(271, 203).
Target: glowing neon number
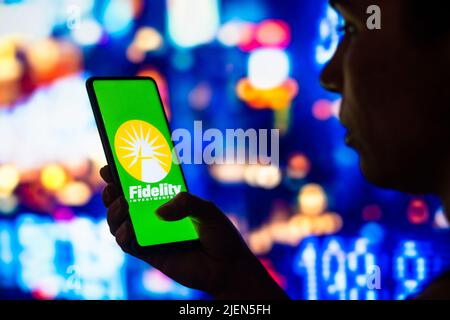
point(307, 260)
point(76, 259)
point(335, 282)
point(410, 269)
point(352, 275)
point(361, 277)
point(6, 255)
point(48, 248)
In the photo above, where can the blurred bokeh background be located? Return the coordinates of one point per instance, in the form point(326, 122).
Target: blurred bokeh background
point(315, 223)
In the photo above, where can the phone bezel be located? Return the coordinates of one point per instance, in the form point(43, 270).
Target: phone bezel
point(108, 151)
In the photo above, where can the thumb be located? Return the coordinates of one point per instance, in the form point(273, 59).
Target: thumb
point(187, 205)
point(216, 232)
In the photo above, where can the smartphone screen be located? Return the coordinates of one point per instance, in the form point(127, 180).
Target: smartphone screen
point(138, 137)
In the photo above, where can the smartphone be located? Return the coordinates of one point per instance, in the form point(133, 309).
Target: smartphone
point(137, 142)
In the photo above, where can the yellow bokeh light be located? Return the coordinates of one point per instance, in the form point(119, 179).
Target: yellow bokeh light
point(312, 199)
point(228, 173)
point(148, 39)
point(53, 177)
point(9, 179)
point(268, 177)
point(43, 56)
point(301, 225)
point(260, 241)
point(10, 69)
point(7, 49)
point(74, 194)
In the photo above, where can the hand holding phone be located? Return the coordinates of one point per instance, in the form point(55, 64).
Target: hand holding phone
point(220, 263)
point(149, 211)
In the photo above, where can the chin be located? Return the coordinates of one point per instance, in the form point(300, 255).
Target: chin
point(394, 178)
point(376, 176)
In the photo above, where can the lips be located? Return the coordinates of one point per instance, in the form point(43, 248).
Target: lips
point(348, 136)
point(349, 140)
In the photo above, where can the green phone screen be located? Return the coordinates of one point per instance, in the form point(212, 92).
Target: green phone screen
point(141, 145)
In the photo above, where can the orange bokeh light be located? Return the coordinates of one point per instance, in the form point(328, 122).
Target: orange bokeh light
point(298, 166)
point(276, 98)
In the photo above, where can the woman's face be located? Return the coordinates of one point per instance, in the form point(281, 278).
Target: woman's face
point(395, 96)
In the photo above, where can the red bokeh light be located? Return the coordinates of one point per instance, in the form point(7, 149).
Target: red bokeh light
point(273, 33)
point(372, 213)
point(41, 294)
point(322, 110)
point(418, 212)
point(247, 41)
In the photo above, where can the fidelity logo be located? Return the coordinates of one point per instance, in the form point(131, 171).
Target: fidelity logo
point(144, 153)
point(147, 193)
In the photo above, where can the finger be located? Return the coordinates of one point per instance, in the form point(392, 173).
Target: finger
point(216, 232)
point(185, 204)
point(105, 173)
point(117, 213)
point(124, 235)
point(109, 194)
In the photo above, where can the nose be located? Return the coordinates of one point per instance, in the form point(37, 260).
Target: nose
point(331, 77)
